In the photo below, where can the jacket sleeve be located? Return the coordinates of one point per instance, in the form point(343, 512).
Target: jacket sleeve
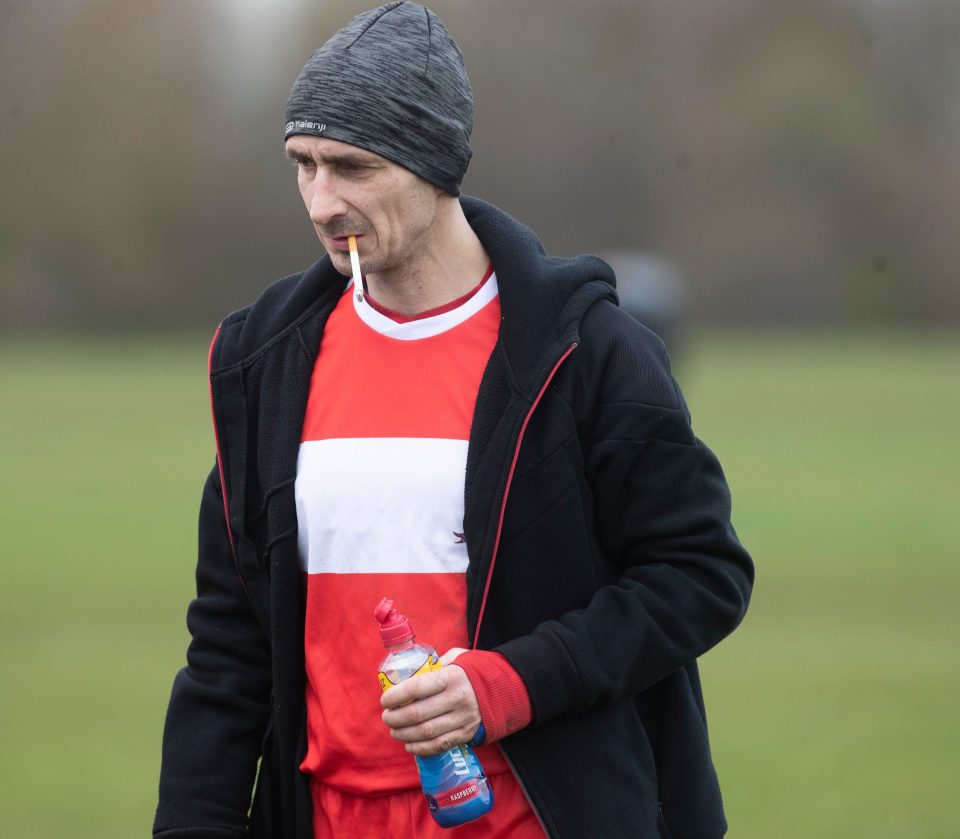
point(220, 700)
point(680, 579)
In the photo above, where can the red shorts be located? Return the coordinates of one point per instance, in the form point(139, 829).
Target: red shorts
point(340, 815)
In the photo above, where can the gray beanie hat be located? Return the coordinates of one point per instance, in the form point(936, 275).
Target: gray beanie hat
point(392, 82)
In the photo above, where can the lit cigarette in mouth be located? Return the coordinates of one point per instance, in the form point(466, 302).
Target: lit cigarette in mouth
point(355, 266)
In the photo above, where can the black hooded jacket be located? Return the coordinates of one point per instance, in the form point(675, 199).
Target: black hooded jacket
point(602, 562)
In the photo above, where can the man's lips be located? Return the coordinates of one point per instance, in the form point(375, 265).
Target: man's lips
point(342, 243)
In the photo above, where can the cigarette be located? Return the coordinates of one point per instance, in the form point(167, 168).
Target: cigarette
point(355, 265)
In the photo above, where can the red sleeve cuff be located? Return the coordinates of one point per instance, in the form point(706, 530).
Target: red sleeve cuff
point(501, 693)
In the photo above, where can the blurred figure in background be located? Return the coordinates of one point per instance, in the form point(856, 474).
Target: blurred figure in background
point(653, 290)
point(478, 431)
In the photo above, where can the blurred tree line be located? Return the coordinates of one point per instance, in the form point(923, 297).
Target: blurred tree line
point(798, 160)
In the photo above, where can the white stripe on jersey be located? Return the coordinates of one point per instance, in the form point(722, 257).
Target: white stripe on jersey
point(384, 505)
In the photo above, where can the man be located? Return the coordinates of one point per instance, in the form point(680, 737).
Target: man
point(477, 431)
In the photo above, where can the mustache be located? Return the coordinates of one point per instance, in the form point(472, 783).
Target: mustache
point(344, 227)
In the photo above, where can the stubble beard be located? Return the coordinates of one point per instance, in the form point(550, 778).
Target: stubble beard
point(341, 262)
point(341, 259)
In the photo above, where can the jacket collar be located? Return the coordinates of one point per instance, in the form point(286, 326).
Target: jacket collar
point(542, 298)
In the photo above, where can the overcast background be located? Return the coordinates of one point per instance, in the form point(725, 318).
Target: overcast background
point(796, 160)
point(794, 164)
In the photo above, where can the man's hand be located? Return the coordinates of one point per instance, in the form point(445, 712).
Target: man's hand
point(433, 712)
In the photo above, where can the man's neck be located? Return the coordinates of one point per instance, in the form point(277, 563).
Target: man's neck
point(450, 265)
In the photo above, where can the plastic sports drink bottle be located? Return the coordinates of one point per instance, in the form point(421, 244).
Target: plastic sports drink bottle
point(454, 783)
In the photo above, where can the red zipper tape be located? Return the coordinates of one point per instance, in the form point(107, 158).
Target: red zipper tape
point(216, 440)
point(506, 489)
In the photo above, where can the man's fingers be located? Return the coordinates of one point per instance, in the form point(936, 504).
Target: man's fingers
point(416, 687)
point(415, 713)
point(433, 712)
point(440, 744)
point(436, 727)
point(451, 701)
point(439, 734)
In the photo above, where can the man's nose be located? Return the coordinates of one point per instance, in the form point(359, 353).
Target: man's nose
point(325, 203)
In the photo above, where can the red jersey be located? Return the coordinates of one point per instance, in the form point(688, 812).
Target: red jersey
point(379, 494)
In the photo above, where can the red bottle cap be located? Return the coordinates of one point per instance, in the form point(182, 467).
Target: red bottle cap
point(394, 627)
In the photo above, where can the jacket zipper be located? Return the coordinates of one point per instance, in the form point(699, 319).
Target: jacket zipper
point(216, 440)
point(506, 490)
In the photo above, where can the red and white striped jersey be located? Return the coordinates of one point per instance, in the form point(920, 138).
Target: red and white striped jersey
point(379, 490)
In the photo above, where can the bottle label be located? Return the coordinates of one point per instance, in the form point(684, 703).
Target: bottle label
point(452, 797)
point(432, 663)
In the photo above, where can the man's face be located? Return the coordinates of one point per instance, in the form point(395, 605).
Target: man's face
point(350, 191)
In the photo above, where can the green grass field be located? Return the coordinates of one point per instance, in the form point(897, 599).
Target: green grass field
point(832, 709)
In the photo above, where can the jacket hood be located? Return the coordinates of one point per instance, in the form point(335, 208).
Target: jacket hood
point(542, 298)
